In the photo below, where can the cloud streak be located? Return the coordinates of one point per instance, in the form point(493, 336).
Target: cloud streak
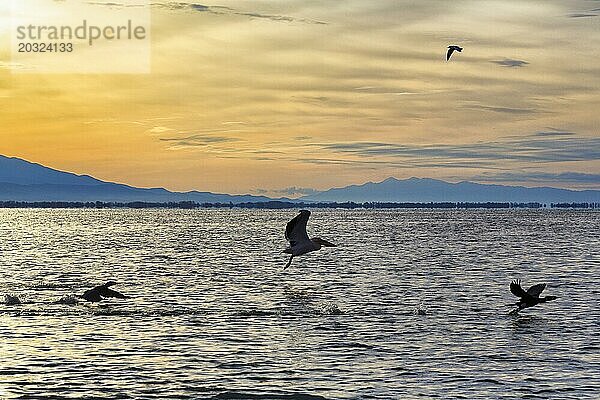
point(582, 15)
point(510, 63)
point(528, 149)
point(221, 10)
point(198, 140)
point(554, 134)
point(504, 110)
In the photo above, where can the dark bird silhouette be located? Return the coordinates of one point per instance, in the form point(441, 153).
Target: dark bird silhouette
point(103, 291)
point(528, 298)
point(451, 50)
point(295, 233)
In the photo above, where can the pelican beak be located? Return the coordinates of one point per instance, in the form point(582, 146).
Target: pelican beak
point(327, 244)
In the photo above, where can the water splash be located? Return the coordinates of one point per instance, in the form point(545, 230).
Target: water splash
point(421, 310)
point(69, 299)
point(11, 300)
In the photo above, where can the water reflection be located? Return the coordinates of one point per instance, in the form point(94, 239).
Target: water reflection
point(212, 315)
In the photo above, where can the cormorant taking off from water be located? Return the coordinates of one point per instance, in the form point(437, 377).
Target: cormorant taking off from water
point(102, 291)
point(295, 233)
point(451, 50)
point(529, 298)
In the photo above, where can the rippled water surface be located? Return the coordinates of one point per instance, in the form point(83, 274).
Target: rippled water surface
point(412, 304)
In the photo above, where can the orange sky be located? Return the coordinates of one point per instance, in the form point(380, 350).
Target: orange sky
point(264, 96)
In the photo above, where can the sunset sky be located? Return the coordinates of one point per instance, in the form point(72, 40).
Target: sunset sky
point(280, 97)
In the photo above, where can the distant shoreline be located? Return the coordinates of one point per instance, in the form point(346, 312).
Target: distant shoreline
point(275, 205)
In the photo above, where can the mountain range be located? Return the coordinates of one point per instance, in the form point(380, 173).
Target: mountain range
point(433, 190)
point(21, 180)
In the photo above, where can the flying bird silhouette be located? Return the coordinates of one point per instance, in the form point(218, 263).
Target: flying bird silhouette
point(451, 50)
point(101, 292)
point(528, 298)
point(295, 233)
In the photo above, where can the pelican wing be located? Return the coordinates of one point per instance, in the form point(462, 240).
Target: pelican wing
point(449, 53)
point(106, 292)
point(517, 290)
point(536, 290)
point(295, 230)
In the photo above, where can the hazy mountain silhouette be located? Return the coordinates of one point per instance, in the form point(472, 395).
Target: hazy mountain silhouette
point(433, 190)
point(21, 172)
point(22, 180)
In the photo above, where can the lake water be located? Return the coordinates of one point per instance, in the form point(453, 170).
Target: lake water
point(212, 314)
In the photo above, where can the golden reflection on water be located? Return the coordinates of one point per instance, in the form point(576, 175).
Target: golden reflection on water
point(212, 312)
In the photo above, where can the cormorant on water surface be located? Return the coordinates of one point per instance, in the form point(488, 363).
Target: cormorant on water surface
point(99, 292)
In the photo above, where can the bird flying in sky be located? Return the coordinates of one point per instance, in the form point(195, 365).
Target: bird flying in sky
point(451, 50)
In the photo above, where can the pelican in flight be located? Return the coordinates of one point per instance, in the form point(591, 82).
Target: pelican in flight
point(451, 50)
point(101, 292)
point(295, 233)
point(528, 298)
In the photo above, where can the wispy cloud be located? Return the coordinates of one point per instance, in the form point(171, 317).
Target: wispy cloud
point(532, 148)
point(498, 109)
point(111, 121)
point(159, 129)
point(13, 66)
point(279, 18)
point(228, 10)
point(554, 133)
point(386, 90)
point(111, 4)
point(507, 62)
point(198, 140)
point(219, 10)
point(175, 5)
point(582, 15)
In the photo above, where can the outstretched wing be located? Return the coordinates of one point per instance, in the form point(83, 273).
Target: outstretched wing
point(517, 290)
point(449, 53)
point(112, 293)
point(536, 290)
point(295, 230)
